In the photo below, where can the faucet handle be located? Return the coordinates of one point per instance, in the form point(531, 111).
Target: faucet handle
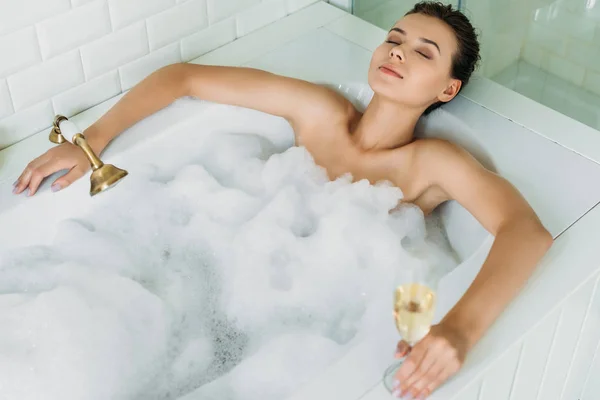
point(55, 134)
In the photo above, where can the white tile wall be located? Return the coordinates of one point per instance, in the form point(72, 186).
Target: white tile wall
point(176, 23)
point(21, 124)
point(295, 5)
point(6, 107)
point(64, 56)
point(219, 9)
point(73, 28)
point(89, 94)
point(21, 13)
point(134, 72)
point(208, 39)
point(45, 80)
point(19, 50)
point(125, 12)
point(259, 16)
point(114, 50)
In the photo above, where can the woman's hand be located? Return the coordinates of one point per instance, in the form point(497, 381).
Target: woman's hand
point(65, 156)
point(434, 359)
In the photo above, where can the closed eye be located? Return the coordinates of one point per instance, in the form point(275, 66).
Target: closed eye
point(424, 55)
point(392, 42)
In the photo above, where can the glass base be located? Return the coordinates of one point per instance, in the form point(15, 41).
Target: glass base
point(389, 376)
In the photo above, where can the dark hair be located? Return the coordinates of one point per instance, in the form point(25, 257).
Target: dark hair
point(467, 56)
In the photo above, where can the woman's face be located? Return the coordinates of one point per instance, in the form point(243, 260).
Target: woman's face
point(412, 67)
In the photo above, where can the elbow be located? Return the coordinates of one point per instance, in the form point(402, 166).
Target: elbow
point(178, 78)
point(538, 235)
point(531, 230)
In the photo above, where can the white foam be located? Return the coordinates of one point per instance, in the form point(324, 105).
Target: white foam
point(227, 268)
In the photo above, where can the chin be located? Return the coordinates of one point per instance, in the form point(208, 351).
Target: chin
point(383, 88)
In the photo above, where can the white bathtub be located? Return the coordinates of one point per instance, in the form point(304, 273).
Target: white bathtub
point(520, 357)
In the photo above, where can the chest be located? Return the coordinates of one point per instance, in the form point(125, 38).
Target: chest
point(333, 150)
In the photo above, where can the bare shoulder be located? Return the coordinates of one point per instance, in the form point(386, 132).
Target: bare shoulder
point(439, 156)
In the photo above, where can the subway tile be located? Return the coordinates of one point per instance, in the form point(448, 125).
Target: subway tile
point(82, 97)
point(565, 69)
point(208, 39)
point(259, 16)
point(134, 72)
point(534, 54)
point(547, 38)
point(588, 56)
point(114, 50)
point(219, 9)
point(77, 3)
point(592, 82)
point(295, 5)
point(18, 14)
point(25, 123)
point(576, 26)
point(6, 107)
point(43, 81)
point(19, 50)
point(248, 48)
point(69, 30)
point(125, 12)
point(175, 23)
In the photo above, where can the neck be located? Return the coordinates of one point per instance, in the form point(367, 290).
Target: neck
point(385, 125)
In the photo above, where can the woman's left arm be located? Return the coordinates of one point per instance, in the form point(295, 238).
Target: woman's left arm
point(520, 242)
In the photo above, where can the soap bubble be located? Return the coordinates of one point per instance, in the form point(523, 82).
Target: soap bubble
point(203, 276)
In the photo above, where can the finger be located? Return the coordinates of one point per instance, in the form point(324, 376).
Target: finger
point(411, 364)
point(420, 385)
point(442, 376)
point(67, 179)
point(430, 360)
point(23, 180)
point(42, 171)
point(402, 349)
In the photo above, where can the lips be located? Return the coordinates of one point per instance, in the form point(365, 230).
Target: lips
point(390, 70)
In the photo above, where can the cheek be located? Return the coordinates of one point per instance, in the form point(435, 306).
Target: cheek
point(429, 78)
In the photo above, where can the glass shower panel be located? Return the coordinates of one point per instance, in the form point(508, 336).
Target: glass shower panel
point(384, 13)
point(547, 50)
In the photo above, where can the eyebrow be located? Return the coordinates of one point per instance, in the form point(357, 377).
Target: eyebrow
point(424, 40)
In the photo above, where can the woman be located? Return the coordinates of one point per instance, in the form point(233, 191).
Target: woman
point(426, 59)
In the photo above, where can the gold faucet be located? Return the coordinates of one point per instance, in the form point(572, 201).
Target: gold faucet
point(104, 176)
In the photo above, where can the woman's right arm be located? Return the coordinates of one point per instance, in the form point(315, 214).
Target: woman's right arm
point(244, 87)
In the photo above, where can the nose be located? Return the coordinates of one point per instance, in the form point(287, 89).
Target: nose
point(397, 52)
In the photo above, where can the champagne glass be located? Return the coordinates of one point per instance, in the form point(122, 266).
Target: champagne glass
point(414, 307)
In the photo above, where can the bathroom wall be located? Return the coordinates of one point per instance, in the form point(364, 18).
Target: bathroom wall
point(502, 26)
point(64, 56)
point(384, 13)
point(564, 40)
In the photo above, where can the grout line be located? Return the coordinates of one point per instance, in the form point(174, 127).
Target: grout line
point(554, 334)
point(10, 97)
point(517, 370)
point(582, 328)
point(587, 378)
point(147, 36)
point(110, 20)
point(85, 77)
point(480, 392)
